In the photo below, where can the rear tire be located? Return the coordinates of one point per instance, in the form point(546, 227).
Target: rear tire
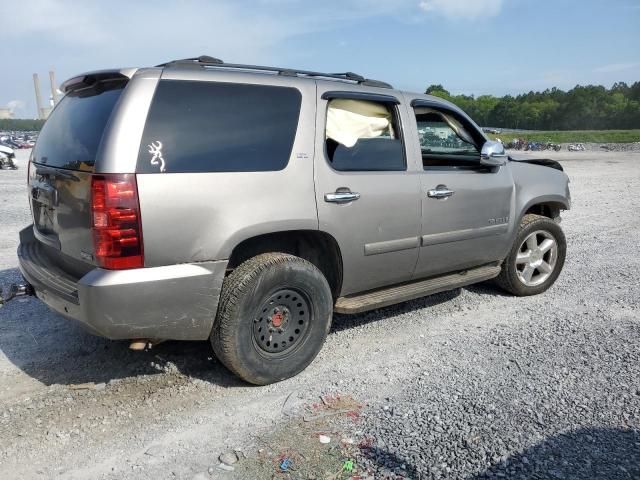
point(273, 317)
point(536, 258)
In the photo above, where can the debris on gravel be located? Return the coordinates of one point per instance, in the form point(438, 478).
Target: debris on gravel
point(225, 467)
point(228, 458)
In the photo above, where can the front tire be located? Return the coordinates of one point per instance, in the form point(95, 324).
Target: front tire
point(536, 258)
point(273, 317)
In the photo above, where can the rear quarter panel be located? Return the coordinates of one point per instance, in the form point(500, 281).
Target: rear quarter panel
point(193, 217)
point(118, 151)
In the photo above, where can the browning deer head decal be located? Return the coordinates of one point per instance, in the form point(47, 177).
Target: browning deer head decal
point(155, 149)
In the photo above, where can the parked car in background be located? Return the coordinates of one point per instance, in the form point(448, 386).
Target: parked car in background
point(18, 140)
point(7, 158)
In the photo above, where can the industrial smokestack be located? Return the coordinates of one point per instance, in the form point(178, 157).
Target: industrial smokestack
point(36, 85)
point(54, 89)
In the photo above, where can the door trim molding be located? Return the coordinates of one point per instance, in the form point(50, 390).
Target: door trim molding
point(391, 246)
point(466, 234)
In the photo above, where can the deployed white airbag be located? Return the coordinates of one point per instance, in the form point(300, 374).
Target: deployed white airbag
point(350, 120)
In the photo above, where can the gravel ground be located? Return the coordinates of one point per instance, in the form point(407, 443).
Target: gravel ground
point(466, 384)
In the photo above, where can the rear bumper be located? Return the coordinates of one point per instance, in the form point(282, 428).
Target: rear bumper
point(177, 302)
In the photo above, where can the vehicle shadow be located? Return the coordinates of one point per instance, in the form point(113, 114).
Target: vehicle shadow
point(344, 322)
point(488, 288)
point(390, 465)
point(593, 453)
point(54, 350)
point(586, 453)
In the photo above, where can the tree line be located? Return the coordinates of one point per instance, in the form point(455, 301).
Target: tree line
point(20, 124)
point(589, 107)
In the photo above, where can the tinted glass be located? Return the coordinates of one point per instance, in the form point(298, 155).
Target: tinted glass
point(219, 127)
point(370, 154)
point(71, 136)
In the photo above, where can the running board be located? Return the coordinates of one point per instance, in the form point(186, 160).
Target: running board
point(408, 291)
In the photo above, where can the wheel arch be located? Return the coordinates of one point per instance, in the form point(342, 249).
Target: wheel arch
point(315, 246)
point(547, 205)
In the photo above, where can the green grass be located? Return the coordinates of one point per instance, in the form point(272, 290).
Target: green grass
point(578, 136)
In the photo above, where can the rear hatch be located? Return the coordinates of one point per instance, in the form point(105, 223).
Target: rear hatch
point(61, 168)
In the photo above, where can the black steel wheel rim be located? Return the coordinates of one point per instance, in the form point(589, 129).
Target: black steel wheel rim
point(281, 322)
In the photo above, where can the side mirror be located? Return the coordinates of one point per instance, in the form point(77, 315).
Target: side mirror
point(493, 154)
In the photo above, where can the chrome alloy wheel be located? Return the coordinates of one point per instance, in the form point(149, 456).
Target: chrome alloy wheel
point(536, 258)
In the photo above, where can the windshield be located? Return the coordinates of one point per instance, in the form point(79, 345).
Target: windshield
point(71, 136)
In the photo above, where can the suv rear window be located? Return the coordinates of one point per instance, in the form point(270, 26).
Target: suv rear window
point(71, 136)
point(196, 126)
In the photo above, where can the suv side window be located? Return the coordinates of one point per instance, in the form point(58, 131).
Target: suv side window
point(445, 141)
point(201, 126)
point(363, 135)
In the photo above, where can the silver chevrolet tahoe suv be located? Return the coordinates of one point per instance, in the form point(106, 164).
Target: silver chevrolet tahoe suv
point(245, 205)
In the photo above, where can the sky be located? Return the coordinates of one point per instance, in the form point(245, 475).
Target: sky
point(475, 47)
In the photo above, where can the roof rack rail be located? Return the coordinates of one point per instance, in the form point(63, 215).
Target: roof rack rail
point(207, 61)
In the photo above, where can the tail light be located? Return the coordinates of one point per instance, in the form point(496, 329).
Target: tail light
point(117, 229)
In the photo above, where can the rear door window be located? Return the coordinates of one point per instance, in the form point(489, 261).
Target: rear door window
point(71, 136)
point(196, 126)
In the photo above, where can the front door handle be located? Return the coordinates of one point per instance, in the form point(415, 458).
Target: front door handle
point(341, 196)
point(441, 191)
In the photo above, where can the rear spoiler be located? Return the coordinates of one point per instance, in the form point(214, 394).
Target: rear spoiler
point(89, 79)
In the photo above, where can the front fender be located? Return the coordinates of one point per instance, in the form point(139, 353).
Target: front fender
point(537, 184)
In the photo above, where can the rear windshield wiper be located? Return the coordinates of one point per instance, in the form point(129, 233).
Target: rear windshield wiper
point(54, 172)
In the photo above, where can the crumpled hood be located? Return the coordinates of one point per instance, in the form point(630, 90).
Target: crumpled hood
point(545, 162)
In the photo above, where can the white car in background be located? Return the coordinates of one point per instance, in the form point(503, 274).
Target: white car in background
point(7, 157)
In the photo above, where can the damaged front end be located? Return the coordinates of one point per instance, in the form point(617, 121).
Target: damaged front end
point(545, 162)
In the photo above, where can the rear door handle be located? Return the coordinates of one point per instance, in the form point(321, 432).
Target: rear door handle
point(440, 192)
point(341, 196)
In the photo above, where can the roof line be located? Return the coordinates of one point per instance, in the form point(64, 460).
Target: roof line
point(205, 61)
